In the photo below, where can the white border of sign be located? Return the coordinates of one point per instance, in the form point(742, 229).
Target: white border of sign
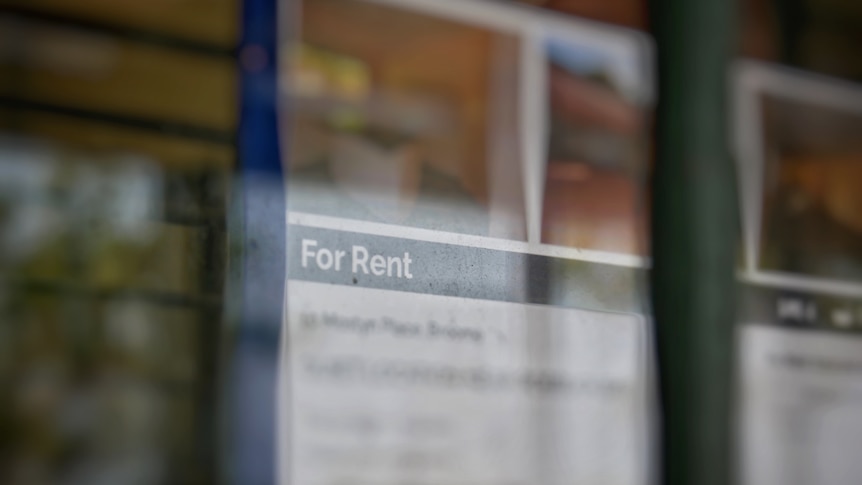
point(533, 27)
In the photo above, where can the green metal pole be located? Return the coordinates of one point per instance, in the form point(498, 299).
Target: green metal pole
point(694, 239)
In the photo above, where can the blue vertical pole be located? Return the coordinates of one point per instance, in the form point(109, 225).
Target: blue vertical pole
point(258, 255)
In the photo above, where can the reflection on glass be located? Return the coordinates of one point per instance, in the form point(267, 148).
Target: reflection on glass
point(106, 260)
point(116, 141)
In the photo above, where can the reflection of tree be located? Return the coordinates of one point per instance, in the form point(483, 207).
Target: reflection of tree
point(104, 310)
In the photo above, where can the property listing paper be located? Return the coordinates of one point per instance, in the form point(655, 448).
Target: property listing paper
point(800, 338)
point(464, 300)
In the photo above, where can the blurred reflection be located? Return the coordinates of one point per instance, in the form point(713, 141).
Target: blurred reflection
point(105, 288)
point(212, 23)
point(115, 151)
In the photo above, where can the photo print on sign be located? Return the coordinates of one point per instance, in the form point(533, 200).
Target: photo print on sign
point(597, 149)
point(399, 119)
